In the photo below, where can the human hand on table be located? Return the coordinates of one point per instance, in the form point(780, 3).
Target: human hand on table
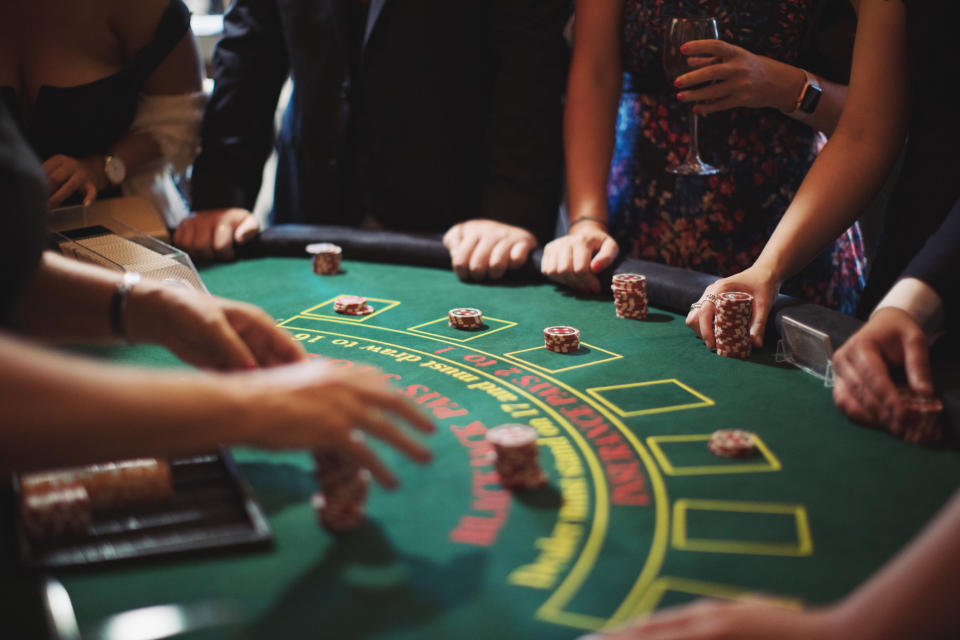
point(207, 331)
point(739, 79)
point(862, 388)
point(753, 619)
point(68, 175)
point(481, 248)
point(312, 405)
point(756, 281)
point(576, 258)
point(211, 234)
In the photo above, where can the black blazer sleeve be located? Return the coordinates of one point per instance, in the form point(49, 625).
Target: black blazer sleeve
point(23, 184)
point(524, 144)
point(938, 264)
point(250, 65)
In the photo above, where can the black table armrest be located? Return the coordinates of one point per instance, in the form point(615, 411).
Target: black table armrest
point(669, 288)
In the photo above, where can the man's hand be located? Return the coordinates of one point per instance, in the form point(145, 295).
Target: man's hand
point(481, 249)
point(862, 388)
point(211, 234)
point(68, 175)
point(313, 404)
point(206, 331)
point(576, 258)
point(757, 282)
point(753, 619)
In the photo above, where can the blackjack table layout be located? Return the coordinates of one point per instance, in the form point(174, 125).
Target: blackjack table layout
point(637, 513)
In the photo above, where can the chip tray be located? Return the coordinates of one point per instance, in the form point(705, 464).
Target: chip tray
point(212, 508)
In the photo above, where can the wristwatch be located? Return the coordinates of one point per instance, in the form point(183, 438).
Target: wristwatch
point(810, 95)
point(115, 170)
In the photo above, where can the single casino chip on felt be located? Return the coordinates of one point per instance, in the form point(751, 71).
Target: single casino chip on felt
point(733, 443)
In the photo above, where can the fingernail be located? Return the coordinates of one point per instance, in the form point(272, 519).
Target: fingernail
point(676, 83)
point(680, 97)
point(684, 47)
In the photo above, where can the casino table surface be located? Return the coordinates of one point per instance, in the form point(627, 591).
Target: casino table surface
point(637, 514)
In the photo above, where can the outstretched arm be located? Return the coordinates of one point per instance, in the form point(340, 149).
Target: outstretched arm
point(589, 123)
point(62, 410)
point(846, 175)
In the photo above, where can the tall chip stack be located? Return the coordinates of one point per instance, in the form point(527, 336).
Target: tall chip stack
point(921, 422)
point(340, 504)
point(731, 324)
point(517, 456)
point(630, 295)
point(326, 258)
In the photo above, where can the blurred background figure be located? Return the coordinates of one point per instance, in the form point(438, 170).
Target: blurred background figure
point(107, 93)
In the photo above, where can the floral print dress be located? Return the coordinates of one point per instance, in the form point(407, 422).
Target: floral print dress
point(720, 223)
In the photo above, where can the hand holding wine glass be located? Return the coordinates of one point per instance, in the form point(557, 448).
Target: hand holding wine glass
point(675, 64)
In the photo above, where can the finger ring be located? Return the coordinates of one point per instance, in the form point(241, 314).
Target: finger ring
point(695, 305)
point(709, 297)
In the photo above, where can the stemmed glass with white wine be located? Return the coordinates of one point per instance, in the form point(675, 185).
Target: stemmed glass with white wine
point(675, 64)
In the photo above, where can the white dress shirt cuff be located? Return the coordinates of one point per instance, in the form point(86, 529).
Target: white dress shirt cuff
point(918, 299)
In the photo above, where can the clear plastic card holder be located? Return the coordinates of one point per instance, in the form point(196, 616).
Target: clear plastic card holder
point(90, 236)
point(806, 348)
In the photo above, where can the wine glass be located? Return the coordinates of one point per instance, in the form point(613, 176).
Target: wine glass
point(675, 64)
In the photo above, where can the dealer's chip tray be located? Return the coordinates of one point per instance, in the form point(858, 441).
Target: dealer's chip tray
point(212, 508)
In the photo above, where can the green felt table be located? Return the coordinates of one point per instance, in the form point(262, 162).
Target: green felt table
point(637, 515)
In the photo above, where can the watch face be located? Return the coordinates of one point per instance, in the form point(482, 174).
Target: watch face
point(811, 97)
point(115, 169)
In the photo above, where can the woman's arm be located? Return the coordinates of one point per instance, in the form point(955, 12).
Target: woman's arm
point(589, 123)
point(847, 173)
point(68, 301)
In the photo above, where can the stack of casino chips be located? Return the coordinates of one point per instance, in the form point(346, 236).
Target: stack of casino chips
point(731, 324)
point(326, 258)
point(921, 423)
point(630, 295)
point(517, 456)
point(60, 510)
point(732, 443)
point(352, 306)
point(344, 486)
point(465, 318)
point(562, 339)
point(60, 501)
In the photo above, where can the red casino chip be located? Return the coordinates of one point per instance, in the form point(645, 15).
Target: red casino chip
point(733, 443)
point(561, 339)
point(466, 318)
point(517, 456)
point(326, 258)
point(630, 295)
point(352, 306)
point(922, 418)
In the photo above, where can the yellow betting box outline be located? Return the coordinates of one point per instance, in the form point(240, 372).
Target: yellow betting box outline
point(654, 595)
point(704, 400)
point(347, 318)
point(613, 356)
point(802, 547)
point(552, 610)
point(506, 325)
point(653, 442)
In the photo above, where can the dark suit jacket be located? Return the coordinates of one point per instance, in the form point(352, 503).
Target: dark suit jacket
point(938, 264)
point(453, 112)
